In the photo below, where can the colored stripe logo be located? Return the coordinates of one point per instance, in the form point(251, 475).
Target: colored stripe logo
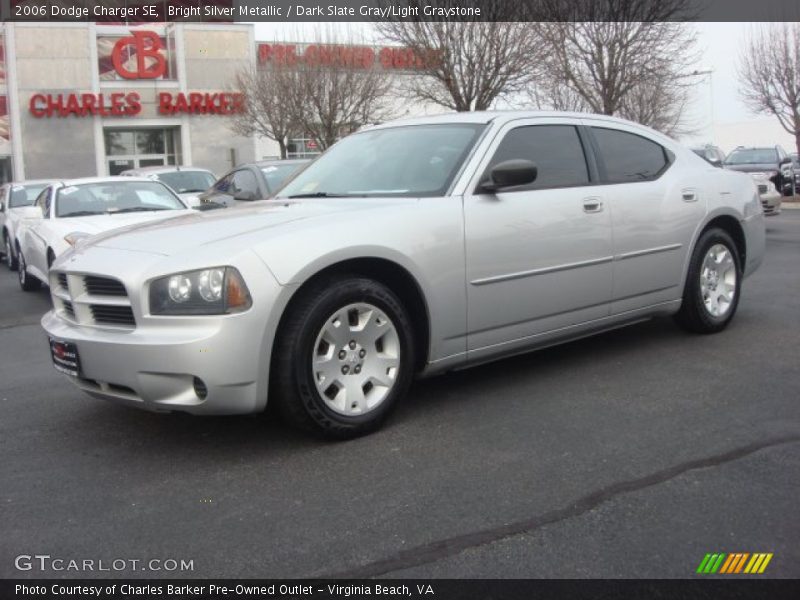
point(735, 563)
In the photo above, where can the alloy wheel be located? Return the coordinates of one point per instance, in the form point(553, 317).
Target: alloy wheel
point(356, 358)
point(718, 280)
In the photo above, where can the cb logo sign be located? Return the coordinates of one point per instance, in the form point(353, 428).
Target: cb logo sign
point(146, 45)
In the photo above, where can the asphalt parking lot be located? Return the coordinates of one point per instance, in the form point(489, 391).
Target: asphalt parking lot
point(631, 454)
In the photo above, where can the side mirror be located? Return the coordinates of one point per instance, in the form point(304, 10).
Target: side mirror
point(509, 173)
point(31, 212)
point(244, 195)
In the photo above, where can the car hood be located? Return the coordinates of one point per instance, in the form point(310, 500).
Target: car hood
point(216, 226)
point(101, 223)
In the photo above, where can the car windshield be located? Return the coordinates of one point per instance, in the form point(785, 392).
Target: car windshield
point(114, 197)
point(185, 182)
point(405, 161)
point(752, 156)
point(276, 175)
point(24, 195)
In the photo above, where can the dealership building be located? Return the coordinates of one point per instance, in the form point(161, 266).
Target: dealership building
point(86, 99)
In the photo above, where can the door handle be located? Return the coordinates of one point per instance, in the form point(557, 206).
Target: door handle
point(592, 205)
point(689, 195)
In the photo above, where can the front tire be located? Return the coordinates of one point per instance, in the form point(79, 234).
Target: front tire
point(344, 357)
point(27, 282)
point(713, 284)
point(10, 259)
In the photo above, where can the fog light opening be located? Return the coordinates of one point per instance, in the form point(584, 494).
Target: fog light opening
point(200, 388)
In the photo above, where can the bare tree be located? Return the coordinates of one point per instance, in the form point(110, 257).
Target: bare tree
point(323, 90)
point(618, 57)
point(769, 71)
point(468, 64)
point(266, 110)
point(329, 101)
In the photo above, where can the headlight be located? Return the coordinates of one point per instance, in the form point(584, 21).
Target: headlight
point(762, 175)
point(214, 291)
point(76, 237)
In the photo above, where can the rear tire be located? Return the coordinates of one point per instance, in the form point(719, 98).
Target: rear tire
point(713, 284)
point(343, 358)
point(27, 282)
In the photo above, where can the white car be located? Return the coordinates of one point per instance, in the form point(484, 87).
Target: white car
point(187, 182)
point(14, 197)
point(65, 213)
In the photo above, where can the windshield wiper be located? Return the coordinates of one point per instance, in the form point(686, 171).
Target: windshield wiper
point(136, 209)
point(82, 213)
point(325, 195)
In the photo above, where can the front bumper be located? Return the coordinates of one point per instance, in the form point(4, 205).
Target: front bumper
point(206, 368)
point(209, 365)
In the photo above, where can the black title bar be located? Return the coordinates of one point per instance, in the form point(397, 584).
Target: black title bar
point(233, 11)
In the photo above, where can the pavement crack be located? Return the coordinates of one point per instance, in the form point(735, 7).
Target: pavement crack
point(439, 549)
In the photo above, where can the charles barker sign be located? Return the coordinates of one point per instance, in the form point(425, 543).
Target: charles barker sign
point(142, 55)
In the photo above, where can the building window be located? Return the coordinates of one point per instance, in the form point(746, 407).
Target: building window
point(302, 147)
point(137, 148)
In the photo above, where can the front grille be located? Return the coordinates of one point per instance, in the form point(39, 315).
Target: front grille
point(762, 189)
point(112, 315)
point(103, 286)
point(69, 310)
point(104, 303)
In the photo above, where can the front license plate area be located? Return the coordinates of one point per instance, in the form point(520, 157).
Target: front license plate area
point(65, 357)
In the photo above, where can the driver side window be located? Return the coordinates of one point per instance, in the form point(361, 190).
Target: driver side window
point(556, 150)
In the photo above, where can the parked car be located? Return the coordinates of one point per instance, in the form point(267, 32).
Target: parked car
point(256, 181)
point(187, 182)
point(14, 197)
point(771, 198)
point(796, 172)
point(68, 212)
point(711, 154)
point(409, 248)
point(770, 162)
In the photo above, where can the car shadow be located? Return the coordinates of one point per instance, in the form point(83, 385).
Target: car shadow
point(152, 436)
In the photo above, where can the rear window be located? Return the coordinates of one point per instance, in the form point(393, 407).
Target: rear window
point(629, 157)
point(752, 156)
point(24, 195)
point(185, 182)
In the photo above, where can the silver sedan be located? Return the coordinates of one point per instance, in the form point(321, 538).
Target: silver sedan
point(407, 249)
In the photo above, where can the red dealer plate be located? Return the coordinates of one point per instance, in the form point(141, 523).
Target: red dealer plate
point(65, 357)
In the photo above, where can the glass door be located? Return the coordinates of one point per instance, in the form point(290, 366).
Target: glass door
point(137, 148)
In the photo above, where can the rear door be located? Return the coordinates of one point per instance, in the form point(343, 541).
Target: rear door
point(656, 206)
point(538, 257)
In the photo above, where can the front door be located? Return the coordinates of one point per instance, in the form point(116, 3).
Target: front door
point(538, 257)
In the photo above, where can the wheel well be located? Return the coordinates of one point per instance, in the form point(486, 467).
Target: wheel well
point(397, 279)
point(734, 229)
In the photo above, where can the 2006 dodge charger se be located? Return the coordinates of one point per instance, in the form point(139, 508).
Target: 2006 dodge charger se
point(413, 247)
